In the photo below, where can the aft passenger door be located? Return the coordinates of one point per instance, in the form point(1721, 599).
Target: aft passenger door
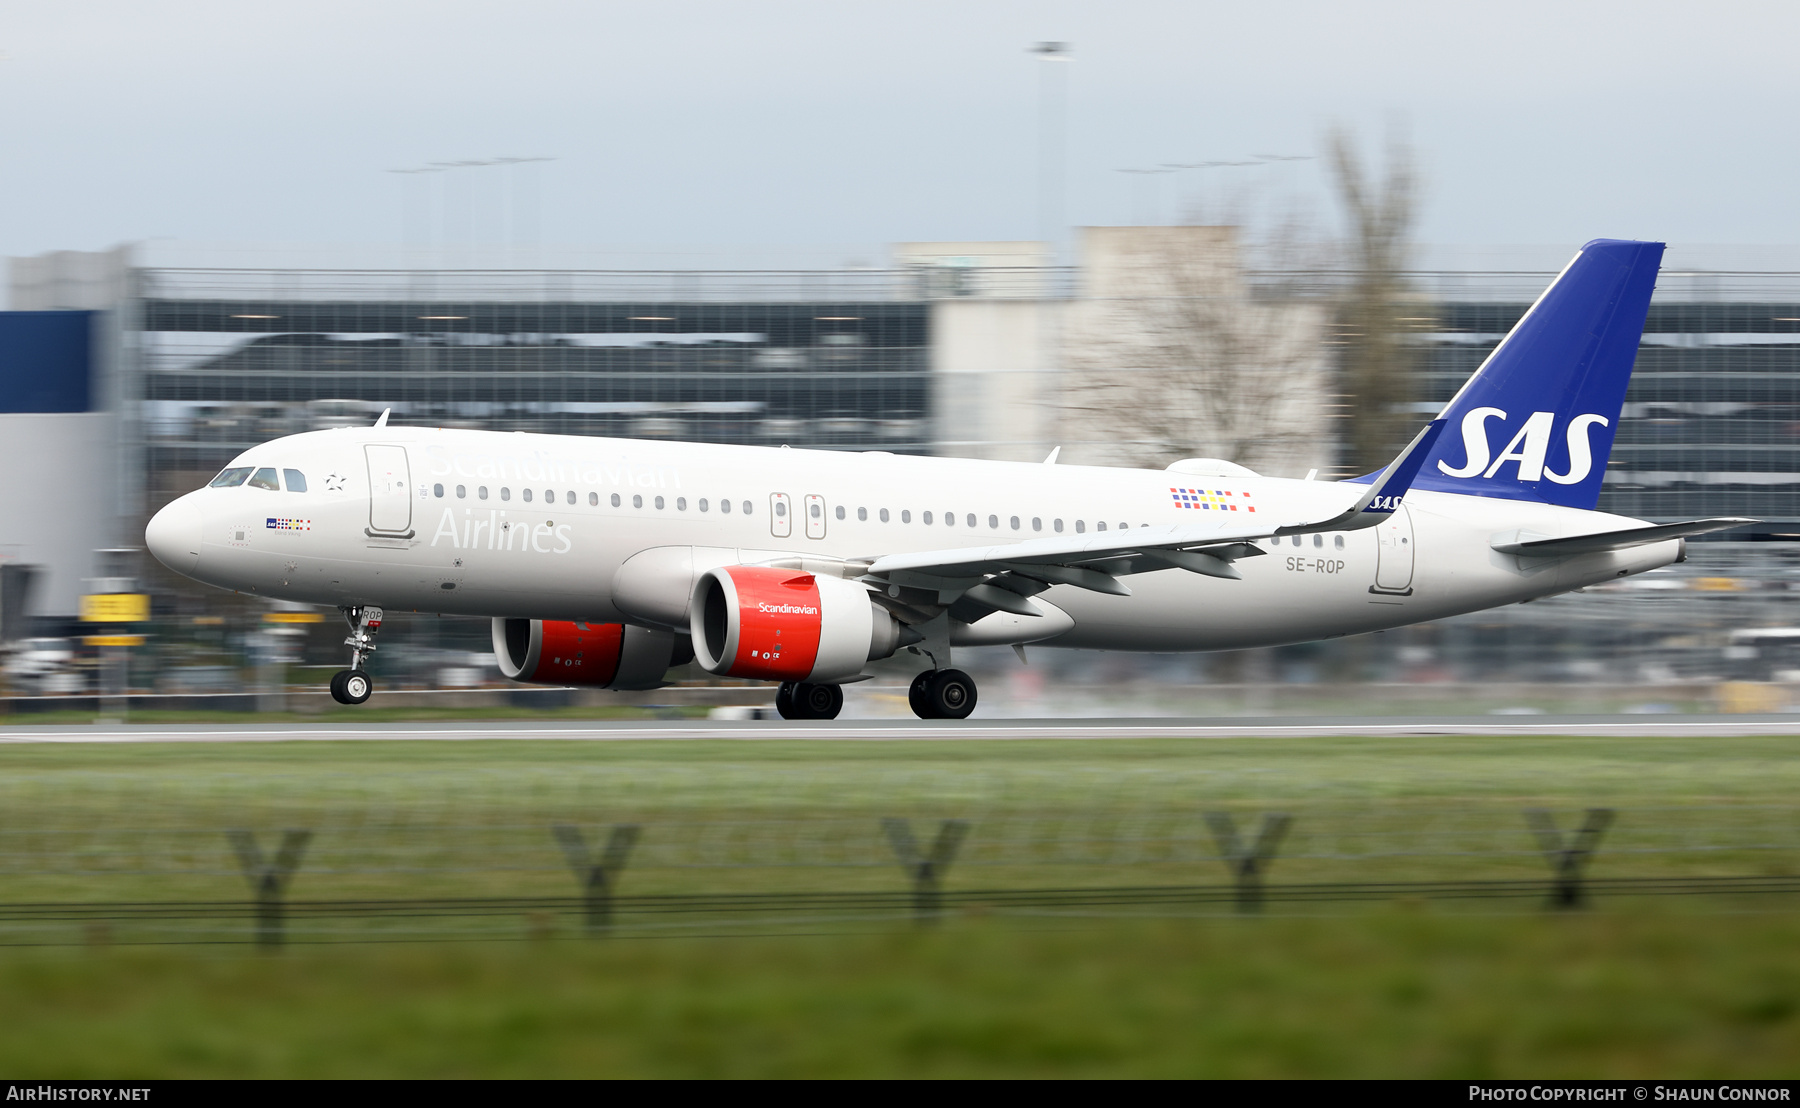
point(815, 516)
point(390, 498)
point(1394, 554)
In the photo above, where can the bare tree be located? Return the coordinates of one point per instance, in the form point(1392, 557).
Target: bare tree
point(1175, 357)
point(1378, 366)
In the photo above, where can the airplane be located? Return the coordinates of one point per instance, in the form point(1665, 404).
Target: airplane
point(606, 562)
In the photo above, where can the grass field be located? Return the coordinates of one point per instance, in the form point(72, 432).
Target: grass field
point(1670, 987)
point(1394, 992)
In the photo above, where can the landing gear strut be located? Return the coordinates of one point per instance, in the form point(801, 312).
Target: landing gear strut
point(352, 686)
point(942, 694)
point(799, 700)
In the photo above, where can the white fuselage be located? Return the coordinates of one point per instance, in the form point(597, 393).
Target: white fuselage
point(493, 524)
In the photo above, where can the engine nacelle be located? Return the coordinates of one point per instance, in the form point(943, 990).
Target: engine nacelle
point(604, 655)
point(788, 625)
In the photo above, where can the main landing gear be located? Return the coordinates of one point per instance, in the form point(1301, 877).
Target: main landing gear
point(352, 686)
point(942, 694)
point(799, 700)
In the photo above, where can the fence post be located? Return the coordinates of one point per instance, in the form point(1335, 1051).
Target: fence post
point(1568, 860)
point(597, 878)
point(926, 870)
point(269, 879)
point(1248, 864)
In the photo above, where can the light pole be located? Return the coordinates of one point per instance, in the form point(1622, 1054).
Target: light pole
point(1052, 94)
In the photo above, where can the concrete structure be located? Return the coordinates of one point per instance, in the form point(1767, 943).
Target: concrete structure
point(74, 488)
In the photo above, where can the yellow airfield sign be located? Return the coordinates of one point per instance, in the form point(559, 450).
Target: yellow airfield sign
point(114, 640)
point(293, 617)
point(115, 607)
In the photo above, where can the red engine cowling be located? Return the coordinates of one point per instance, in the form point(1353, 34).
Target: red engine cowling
point(786, 625)
point(604, 655)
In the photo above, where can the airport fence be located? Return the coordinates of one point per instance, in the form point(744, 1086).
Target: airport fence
point(369, 874)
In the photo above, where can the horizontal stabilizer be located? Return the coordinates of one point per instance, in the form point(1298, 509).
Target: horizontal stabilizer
point(1515, 543)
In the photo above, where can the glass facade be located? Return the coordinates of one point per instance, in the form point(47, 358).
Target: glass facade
point(228, 364)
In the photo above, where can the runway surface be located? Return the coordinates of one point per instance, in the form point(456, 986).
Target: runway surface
point(917, 730)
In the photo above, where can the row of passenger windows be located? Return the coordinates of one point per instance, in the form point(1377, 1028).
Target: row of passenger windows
point(593, 498)
point(264, 478)
point(259, 478)
point(1337, 541)
point(949, 519)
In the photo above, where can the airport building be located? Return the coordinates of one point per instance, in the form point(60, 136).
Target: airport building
point(973, 349)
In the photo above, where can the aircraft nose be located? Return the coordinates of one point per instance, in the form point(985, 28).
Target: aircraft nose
point(173, 535)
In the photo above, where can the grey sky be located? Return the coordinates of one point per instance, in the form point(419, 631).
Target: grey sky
point(844, 126)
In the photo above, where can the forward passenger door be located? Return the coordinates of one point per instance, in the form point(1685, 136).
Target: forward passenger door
point(390, 497)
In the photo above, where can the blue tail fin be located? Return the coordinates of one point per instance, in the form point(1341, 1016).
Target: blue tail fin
point(1536, 422)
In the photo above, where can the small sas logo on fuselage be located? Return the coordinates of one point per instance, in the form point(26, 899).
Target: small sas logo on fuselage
point(1384, 504)
point(274, 524)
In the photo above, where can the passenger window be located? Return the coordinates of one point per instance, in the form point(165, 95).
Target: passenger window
point(549, 496)
point(780, 509)
point(905, 515)
point(1318, 541)
point(681, 503)
point(296, 481)
point(615, 500)
point(437, 491)
point(481, 492)
point(1101, 526)
point(746, 507)
point(927, 518)
point(862, 515)
point(949, 519)
point(725, 507)
point(593, 500)
point(1037, 523)
point(840, 511)
point(525, 495)
point(231, 478)
point(1080, 527)
point(994, 522)
point(659, 503)
point(884, 515)
point(264, 478)
point(970, 519)
point(505, 493)
point(1015, 523)
point(1124, 526)
point(1058, 526)
point(570, 496)
point(703, 504)
point(1337, 541)
point(637, 502)
point(1296, 540)
point(818, 511)
point(462, 492)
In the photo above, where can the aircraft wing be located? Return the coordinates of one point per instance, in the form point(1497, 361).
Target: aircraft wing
point(978, 580)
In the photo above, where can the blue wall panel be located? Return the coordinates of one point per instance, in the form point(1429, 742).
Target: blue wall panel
point(46, 361)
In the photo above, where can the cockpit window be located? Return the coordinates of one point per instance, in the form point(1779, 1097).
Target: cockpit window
point(296, 481)
point(264, 478)
point(231, 478)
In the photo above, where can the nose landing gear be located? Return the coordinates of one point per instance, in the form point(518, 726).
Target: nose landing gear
point(942, 694)
point(352, 686)
point(799, 700)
